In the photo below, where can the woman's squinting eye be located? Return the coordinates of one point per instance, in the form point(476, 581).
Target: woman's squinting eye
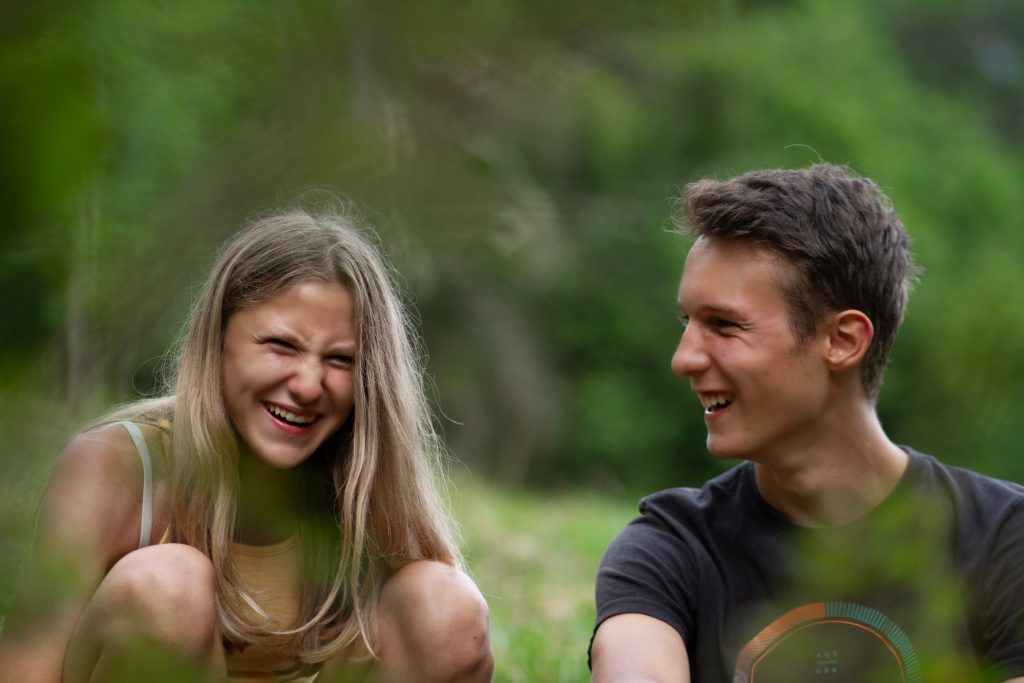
point(342, 360)
point(279, 344)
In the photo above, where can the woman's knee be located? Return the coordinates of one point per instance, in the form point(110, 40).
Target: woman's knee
point(434, 615)
point(157, 601)
point(165, 593)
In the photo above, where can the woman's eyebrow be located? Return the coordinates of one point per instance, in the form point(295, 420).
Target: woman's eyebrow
point(277, 332)
point(349, 347)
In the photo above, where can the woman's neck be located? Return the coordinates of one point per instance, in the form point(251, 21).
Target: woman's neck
point(268, 502)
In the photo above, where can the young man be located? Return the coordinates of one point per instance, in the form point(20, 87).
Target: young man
point(830, 553)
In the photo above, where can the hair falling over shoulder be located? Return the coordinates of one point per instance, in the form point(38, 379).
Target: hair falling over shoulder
point(374, 501)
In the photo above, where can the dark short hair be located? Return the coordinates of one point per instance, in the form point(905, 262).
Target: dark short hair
point(839, 231)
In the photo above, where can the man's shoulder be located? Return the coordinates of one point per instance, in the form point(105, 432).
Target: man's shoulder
point(666, 557)
point(983, 506)
point(964, 484)
point(718, 510)
point(723, 489)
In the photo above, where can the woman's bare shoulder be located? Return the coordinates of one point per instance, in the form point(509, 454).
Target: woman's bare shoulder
point(94, 494)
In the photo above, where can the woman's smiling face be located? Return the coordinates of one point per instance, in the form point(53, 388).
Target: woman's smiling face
point(287, 371)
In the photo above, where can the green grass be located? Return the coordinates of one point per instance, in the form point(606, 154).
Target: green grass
point(534, 556)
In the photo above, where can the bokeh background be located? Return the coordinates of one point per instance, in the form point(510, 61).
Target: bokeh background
point(520, 162)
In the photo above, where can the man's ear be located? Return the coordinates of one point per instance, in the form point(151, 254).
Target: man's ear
point(849, 335)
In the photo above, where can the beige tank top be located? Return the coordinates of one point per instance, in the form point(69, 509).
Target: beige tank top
point(272, 573)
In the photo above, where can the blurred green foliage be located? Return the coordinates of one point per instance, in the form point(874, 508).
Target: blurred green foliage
point(535, 557)
point(519, 160)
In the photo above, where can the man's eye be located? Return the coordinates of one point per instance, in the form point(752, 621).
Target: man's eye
point(684, 321)
point(721, 323)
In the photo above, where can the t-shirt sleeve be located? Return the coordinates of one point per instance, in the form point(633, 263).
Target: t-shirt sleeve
point(1002, 597)
point(647, 570)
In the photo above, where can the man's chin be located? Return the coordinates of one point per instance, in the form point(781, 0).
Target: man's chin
point(721, 450)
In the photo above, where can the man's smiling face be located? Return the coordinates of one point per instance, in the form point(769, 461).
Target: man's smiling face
point(764, 391)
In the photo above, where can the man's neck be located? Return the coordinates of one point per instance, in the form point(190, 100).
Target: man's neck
point(838, 477)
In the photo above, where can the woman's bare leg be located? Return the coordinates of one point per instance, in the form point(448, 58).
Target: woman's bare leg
point(432, 628)
point(152, 618)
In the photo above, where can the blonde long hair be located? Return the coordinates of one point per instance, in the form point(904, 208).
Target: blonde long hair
point(374, 489)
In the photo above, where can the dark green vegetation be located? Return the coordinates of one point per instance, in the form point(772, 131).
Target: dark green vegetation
point(519, 161)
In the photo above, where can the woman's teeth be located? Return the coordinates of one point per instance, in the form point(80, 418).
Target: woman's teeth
point(290, 417)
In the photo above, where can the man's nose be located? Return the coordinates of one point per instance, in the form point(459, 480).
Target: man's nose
point(690, 358)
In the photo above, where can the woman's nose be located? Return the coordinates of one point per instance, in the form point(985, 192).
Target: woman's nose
point(307, 383)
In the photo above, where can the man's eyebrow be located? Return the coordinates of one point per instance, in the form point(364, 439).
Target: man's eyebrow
point(714, 309)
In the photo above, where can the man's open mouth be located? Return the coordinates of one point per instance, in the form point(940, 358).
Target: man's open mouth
point(714, 402)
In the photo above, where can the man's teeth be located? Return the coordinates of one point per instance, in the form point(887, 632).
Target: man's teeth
point(712, 402)
point(289, 416)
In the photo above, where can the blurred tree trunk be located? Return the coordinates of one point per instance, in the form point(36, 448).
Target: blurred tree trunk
point(81, 288)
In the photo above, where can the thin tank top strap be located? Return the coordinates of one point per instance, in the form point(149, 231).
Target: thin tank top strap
point(147, 481)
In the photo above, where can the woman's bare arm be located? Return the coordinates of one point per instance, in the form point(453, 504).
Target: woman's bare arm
point(89, 518)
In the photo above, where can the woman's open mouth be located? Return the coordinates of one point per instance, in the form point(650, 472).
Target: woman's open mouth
point(290, 418)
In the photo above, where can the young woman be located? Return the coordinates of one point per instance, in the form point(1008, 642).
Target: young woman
point(273, 518)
